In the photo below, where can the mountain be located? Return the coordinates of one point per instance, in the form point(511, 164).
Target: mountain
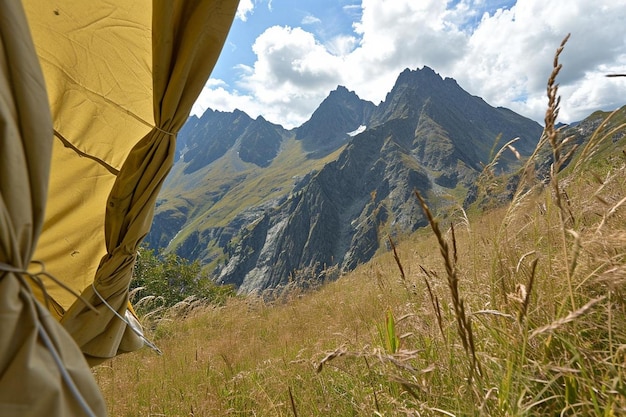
point(334, 121)
point(204, 140)
point(335, 218)
point(262, 206)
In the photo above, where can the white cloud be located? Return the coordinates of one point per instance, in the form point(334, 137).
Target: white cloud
point(398, 35)
point(504, 56)
point(341, 45)
point(292, 75)
point(218, 97)
point(310, 20)
point(510, 54)
point(245, 8)
point(352, 8)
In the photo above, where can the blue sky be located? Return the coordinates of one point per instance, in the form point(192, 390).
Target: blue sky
point(283, 57)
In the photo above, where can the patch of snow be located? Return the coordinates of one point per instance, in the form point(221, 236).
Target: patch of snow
point(357, 131)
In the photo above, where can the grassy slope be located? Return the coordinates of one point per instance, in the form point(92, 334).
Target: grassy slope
point(252, 186)
point(521, 313)
point(559, 348)
point(268, 182)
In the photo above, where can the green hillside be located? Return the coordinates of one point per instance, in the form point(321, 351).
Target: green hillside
point(242, 185)
point(538, 353)
point(511, 311)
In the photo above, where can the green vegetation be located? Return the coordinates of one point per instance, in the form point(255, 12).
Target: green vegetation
point(232, 178)
point(166, 280)
point(517, 310)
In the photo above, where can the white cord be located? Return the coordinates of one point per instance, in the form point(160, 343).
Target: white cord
point(67, 378)
point(137, 331)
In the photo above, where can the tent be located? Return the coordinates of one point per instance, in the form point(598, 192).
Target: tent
point(92, 94)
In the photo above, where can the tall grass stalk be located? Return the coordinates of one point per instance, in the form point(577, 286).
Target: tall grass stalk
point(464, 323)
point(559, 160)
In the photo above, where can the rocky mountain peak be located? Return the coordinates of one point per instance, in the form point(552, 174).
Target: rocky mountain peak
point(343, 94)
point(425, 74)
point(340, 113)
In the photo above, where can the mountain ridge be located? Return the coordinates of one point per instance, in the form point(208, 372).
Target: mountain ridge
point(327, 193)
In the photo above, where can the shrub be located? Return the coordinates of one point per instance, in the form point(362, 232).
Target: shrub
point(173, 279)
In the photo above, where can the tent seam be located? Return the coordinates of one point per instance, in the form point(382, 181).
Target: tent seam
point(69, 145)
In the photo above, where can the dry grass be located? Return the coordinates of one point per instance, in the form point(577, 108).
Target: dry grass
point(519, 311)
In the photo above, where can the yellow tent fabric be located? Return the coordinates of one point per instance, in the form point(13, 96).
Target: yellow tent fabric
point(121, 77)
point(35, 351)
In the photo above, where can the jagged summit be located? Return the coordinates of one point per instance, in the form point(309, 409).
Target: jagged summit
point(470, 125)
point(342, 90)
point(327, 129)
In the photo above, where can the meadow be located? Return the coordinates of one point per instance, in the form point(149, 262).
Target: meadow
point(512, 309)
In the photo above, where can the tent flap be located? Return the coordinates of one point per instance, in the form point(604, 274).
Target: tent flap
point(92, 95)
point(187, 38)
point(42, 371)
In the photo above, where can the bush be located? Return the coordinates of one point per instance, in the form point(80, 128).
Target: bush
point(173, 279)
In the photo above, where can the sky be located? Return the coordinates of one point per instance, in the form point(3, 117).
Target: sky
point(283, 57)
